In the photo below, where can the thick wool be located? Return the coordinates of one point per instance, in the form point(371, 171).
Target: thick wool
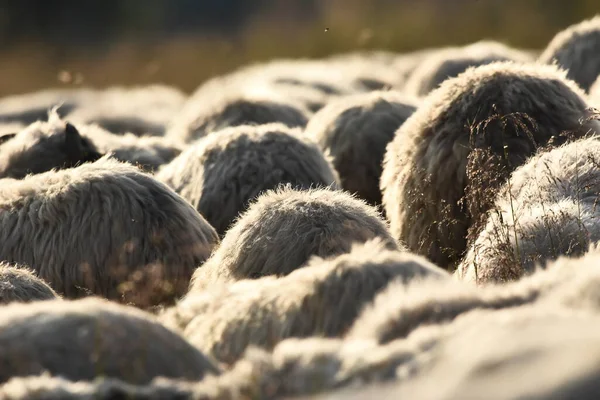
point(146, 152)
point(547, 209)
point(594, 96)
point(321, 299)
point(282, 229)
point(512, 246)
point(142, 110)
point(221, 174)
point(510, 354)
point(401, 309)
point(85, 339)
point(497, 349)
point(577, 50)
point(296, 367)
point(47, 387)
point(355, 131)
point(534, 341)
point(43, 146)
point(277, 91)
point(104, 228)
point(450, 62)
point(20, 284)
point(443, 168)
point(222, 103)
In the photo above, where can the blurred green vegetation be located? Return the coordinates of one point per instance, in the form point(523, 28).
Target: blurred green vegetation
point(277, 30)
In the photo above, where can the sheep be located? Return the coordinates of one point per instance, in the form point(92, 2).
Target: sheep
point(321, 299)
point(283, 228)
point(222, 173)
point(576, 49)
point(536, 335)
point(405, 65)
point(46, 387)
point(28, 108)
point(9, 130)
point(368, 71)
point(89, 338)
point(278, 91)
point(19, 284)
point(594, 96)
point(297, 367)
point(103, 228)
point(401, 309)
point(355, 131)
point(147, 152)
point(450, 62)
point(310, 366)
point(278, 81)
point(307, 96)
point(43, 146)
point(220, 103)
point(548, 208)
point(330, 76)
point(580, 281)
point(535, 340)
point(446, 162)
point(510, 354)
point(542, 234)
point(143, 110)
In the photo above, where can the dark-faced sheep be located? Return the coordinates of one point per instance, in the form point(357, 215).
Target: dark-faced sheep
point(85, 339)
point(44, 146)
point(222, 173)
point(19, 284)
point(282, 229)
point(103, 228)
point(449, 63)
point(443, 168)
point(146, 152)
point(320, 299)
point(577, 50)
point(220, 104)
point(547, 209)
point(355, 131)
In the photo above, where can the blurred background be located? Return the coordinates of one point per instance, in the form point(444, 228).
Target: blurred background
point(98, 43)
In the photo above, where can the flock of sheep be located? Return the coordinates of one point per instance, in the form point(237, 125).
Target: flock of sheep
point(369, 225)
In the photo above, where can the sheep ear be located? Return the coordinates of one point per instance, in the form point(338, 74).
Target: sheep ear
point(72, 138)
point(7, 137)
